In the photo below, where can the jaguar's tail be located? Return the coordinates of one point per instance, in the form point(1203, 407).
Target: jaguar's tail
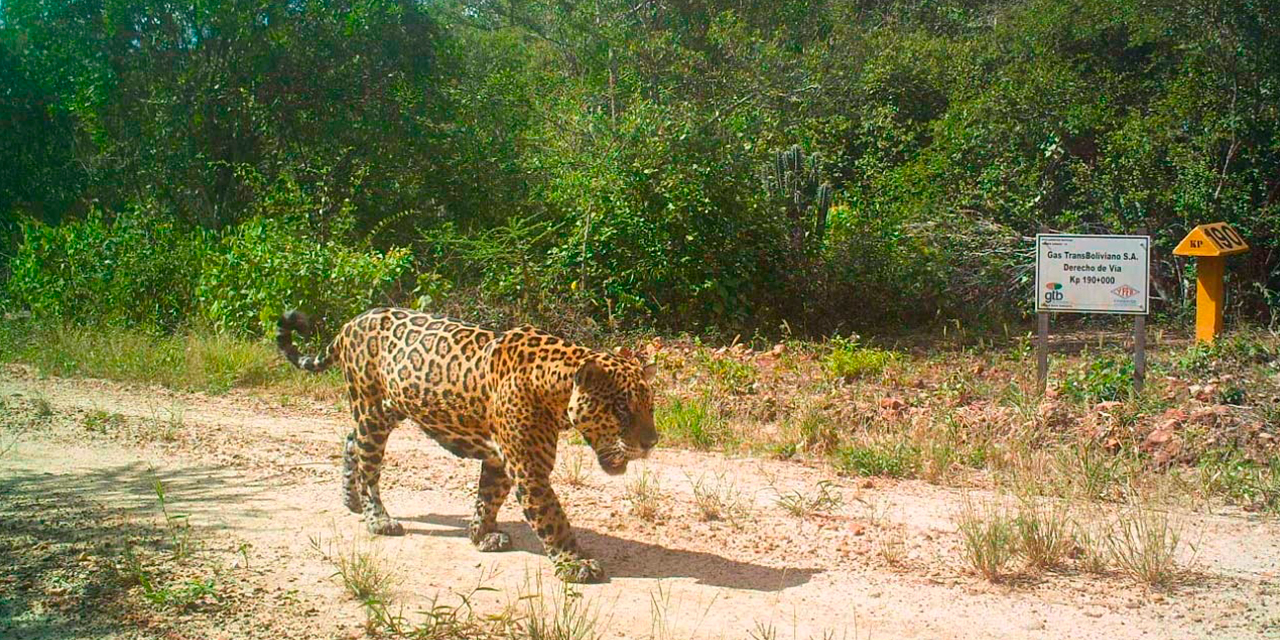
point(294, 320)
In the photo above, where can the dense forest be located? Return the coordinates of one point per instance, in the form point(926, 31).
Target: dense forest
point(706, 166)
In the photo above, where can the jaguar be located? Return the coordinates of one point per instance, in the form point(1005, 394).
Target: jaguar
point(500, 397)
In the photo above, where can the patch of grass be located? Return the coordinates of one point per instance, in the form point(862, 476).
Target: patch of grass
point(361, 569)
point(1145, 545)
point(1044, 533)
point(575, 468)
point(1090, 540)
point(441, 620)
point(729, 374)
point(849, 360)
point(1254, 486)
point(893, 459)
point(1087, 471)
point(892, 549)
point(179, 596)
point(644, 493)
point(41, 406)
point(990, 539)
point(178, 525)
point(167, 423)
point(696, 423)
point(937, 459)
point(825, 498)
point(199, 361)
point(718, 498)
point(100, 421)
point(217, 363)
point(563, 615)
point(816, 430)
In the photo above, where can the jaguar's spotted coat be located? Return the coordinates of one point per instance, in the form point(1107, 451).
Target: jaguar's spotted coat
point(499, 397)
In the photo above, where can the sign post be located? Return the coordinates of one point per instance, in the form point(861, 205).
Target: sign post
point(1092, 274)
point(1210, 244)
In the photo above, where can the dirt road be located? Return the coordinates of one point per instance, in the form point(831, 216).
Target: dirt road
point(260, 483)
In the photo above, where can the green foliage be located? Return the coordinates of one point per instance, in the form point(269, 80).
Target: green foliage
point(1252, 484)
point(267, 265)
point(694, 422)
point(894, 459)
point(141, 270)
point(848, 360)
point(213, 363)
point(137, 269)
point(1102, 378)
point(729, 374)
point(607, 158)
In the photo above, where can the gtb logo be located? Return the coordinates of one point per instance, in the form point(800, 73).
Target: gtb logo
point(1054, 293)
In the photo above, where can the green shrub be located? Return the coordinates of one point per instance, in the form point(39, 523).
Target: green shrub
point(847, 360)
point(1106, 377)
point(265, 266)
point(137, 269)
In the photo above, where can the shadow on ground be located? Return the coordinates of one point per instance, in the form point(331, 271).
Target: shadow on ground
point(131, 488)
point(626, 558)
point(70, 543)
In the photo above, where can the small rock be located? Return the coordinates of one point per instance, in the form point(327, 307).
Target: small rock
point(866, 483)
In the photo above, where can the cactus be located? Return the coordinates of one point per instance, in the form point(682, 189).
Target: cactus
point(795, 179)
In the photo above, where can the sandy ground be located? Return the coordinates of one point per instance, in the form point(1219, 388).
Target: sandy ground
point(260, 482)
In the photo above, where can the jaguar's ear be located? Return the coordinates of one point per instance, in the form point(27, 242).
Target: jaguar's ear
point(650, 371)
point(590, 374)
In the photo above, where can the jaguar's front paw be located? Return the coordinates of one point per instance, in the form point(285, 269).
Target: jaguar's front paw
point(579, 570)
point(386, 527)
point(494, 541)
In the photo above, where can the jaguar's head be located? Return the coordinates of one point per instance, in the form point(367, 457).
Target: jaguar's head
point(612, 407)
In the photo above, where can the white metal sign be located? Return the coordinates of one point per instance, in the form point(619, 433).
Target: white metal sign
point(1092, 274)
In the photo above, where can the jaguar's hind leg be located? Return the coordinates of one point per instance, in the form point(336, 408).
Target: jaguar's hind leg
point(351, 489)
point(374, 425)
point(492, 492)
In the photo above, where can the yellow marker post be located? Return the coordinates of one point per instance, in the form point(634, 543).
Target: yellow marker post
point(1210, 244)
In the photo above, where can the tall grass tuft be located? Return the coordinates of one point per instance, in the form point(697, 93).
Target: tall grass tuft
point(1044, 533)
point(990, 538)
point(561, 615)
point(360, 568)
point(1145, 546)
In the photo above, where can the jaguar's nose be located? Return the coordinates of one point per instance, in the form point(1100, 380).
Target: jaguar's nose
point(647, 441)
